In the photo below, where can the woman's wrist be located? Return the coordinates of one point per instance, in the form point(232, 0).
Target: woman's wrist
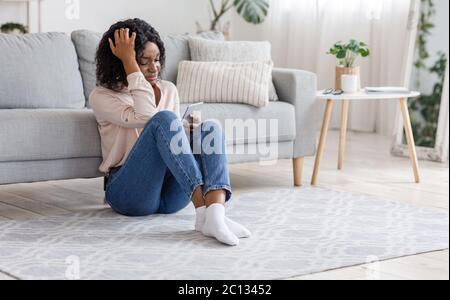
point(130, 65)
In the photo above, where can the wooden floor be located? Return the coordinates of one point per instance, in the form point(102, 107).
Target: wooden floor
point(369, 168)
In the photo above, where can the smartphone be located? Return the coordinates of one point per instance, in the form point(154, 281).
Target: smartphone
point(190, 109)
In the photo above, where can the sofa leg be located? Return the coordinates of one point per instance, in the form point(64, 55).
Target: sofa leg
point(298, 170)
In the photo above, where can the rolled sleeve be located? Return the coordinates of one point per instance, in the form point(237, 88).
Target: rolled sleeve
point(108, 106)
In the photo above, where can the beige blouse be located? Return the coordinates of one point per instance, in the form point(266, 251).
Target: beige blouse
point(121, 116)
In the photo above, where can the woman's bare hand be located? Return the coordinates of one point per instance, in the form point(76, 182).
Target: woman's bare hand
point(123, 48)
point(193, 121)
point(196, 120)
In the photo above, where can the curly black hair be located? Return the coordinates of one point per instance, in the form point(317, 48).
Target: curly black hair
point(110, 71)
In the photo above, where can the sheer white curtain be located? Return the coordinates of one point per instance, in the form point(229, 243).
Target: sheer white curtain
point(302, 31)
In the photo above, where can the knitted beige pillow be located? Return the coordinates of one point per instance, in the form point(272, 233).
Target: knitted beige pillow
point(224, 82)
point(232, 51)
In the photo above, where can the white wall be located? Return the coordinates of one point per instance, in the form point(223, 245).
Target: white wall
point(12, 12)
point(243, 31)
point(167, 16)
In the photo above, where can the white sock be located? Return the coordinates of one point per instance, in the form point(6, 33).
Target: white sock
point(236, 228)
point(215, 226)
point(200, 218)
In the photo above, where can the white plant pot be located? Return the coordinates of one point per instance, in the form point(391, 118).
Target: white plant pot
point(349, 83)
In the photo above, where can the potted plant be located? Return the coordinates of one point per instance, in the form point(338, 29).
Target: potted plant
point(13, 28)
point(253, 11)
point(347, 53)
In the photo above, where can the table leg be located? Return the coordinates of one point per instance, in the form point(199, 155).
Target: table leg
point(323, 137)
point(410, 138)
point(298, 163)
point(343, 133)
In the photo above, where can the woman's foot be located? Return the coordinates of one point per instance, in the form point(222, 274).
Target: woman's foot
point(214, 225)
point(236, 228)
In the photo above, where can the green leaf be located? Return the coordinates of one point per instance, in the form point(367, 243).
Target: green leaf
point(364, 52)
point(426, 26)
point(253, 11)
point(353, 43)
point(341, 54)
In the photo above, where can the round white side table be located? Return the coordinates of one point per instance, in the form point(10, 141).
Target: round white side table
point(362, 96)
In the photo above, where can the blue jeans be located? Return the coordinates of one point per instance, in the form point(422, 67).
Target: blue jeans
point(155, 180)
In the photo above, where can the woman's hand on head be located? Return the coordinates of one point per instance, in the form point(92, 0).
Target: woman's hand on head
point(123, 48)
point(123, 45)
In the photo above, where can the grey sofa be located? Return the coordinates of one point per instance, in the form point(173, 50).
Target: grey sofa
point(48, 131)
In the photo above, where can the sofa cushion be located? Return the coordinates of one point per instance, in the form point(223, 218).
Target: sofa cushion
point(86, 43)
point(241, 115)
point(39, 70)
point(234, 51)
point(41, 134)
point(224, 82)
point(177, 49)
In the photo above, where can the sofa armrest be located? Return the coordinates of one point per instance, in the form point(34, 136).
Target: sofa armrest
point(299, 88)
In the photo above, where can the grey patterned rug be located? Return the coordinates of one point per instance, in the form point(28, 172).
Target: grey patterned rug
point(295, 232)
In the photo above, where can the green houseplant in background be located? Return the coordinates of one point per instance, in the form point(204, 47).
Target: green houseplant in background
point(346, 54)
point(253, 11)
point(425, 109)
point(14, 28)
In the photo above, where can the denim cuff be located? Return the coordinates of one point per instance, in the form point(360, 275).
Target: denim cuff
point(194, 187)
point(225, 187)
